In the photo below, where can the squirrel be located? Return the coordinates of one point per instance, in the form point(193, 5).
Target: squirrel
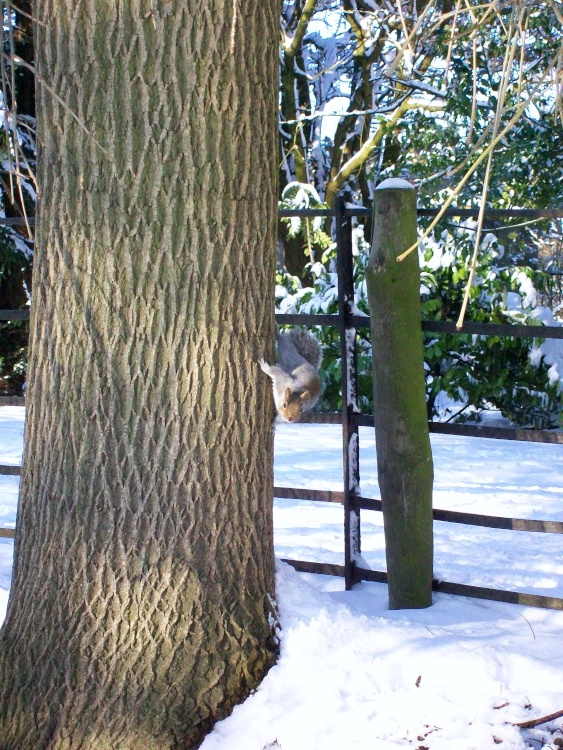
point(295, 376)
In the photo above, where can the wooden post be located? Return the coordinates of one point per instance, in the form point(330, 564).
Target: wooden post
point(404, 456)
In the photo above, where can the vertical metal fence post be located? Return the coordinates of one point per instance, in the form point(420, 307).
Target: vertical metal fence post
point(350, 437)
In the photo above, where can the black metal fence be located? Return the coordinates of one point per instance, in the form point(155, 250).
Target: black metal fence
point(350, 419)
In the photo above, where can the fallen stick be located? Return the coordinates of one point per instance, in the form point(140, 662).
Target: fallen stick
point(536, 722)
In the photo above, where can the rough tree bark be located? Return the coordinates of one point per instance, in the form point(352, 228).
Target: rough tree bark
point(142, 606)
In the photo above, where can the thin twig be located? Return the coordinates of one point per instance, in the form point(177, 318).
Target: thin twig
point(506, 66)
point(51, 90)
point(451, 42)
point(518, 112)
point(10, 4)
point(541, 720)
point(531, 628)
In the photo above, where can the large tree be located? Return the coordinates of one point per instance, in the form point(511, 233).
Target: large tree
point(142, 606)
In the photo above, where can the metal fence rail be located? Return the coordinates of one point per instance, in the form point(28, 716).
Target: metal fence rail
point(446, 428)
point(433, 326)
point(449, 516)
point(444, 587)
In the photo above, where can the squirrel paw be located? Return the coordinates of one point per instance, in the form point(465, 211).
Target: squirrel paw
point(264, 366)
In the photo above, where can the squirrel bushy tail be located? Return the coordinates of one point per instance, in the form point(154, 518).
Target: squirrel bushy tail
point(306, 344)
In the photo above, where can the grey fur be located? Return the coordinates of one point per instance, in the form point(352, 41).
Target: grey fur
point(295, 376)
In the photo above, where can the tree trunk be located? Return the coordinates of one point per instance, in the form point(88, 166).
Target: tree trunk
point(142, 606)
point(404, 454)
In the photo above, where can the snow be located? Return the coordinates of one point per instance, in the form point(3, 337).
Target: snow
point(551, 349)
point(394, 183)
point(353, 674)
point(527, 290)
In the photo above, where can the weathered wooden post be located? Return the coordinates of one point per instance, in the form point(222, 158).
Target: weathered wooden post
point(404, 456)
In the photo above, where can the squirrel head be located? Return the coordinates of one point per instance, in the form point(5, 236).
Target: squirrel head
point(292, 405)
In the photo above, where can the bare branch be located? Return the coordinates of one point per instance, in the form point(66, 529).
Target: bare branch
point(362, 155)
point(291, 46)
point(531, 723)
point(50, 89)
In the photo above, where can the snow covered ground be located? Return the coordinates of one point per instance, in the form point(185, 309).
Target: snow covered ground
point(354, 675)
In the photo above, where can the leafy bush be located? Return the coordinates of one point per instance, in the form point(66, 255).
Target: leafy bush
point(13, 357)
point(512, 375)
point(15, 272)
point(519, 377)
